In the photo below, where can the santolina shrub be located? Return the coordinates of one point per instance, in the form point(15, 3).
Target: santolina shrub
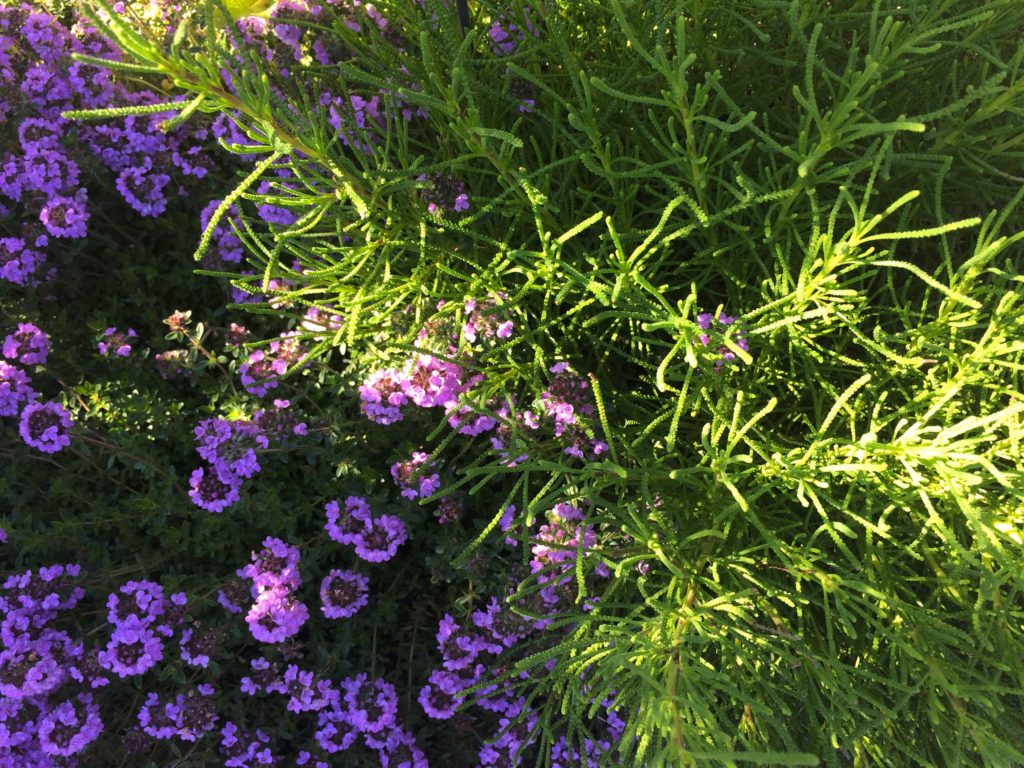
point(639, 387)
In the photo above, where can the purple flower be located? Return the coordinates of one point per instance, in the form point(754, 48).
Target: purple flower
point(276, 566)
point(343, 593)
point(196, 645)
point(133, 649)
point(230, 447)
point(143, 601)
point(70, 727)
point(381, 539)
point(210, 492)
point(28, 345)
point(343, 525)
point(66, 216)
point(383, 395)
point(276, 616)
point(45, 426)
point(260, 372)
point(400, 751)
point(117, 342)
point(187, 717)
point(335, 732)
point(305, 692)
point(244, 748)
point(19, 263)
point(437, 697)
point(714, 336)
point(404, 474)
point(225, 242)
point(372, 706)
point(15, 389)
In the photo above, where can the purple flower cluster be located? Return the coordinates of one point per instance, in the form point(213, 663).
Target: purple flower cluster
point(244, 748)
point(343, 593)
point(40, 173)
point(39, 722)
point(496, 635)
point(28, 345)
point(357, 706)
point(375, 539)
point(141, 615)
point(230, 448)
point(414, 478)
point(558, 543)
point(186, 717)
point(115, 342)
point(713, 334)
point(506, 35)
point(43, 426)
point(275, 614)
point(260, 373)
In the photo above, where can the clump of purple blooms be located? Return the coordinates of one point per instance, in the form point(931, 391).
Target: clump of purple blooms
point(414, 478)
point(141, 616)
point(46, 426)
point(28, 345)
point(713, 332)
point(343, 593)
point(40, 175)
point(115, 342)
point(230, 448)
point(375, 539)
point(276, 614)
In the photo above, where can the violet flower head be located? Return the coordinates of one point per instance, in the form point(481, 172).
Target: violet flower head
point(15, 389)
point(400, 751)
point(345, 523)
point(381, 539)
point(209, 491)
point(276, 566)
point(66, 216)
point(439, 696)
point(70, 727)
point(19, 264)
point(46, 426)
point(383, 395)
point(259, 374)
point(372, 705)
point(276, 616)
point(405, 474)
point(335, 732)
point(343, 593)
point(132, 650)
point(28, 345)
point(714, 330)
point(115, 342)
point(143, 601)
point(230, 447)
point(244, 748)
point(197, 645)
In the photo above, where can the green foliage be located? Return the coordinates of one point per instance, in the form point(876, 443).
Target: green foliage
point(830, 525)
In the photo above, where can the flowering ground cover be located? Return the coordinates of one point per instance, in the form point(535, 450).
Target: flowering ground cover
point(628, 383)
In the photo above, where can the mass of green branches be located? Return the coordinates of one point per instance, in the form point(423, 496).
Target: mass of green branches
point(816, 549)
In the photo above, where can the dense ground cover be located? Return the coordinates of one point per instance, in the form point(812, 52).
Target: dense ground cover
point(569, 384)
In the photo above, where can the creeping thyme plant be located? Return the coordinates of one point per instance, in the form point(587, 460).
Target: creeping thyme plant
point(658, 361)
